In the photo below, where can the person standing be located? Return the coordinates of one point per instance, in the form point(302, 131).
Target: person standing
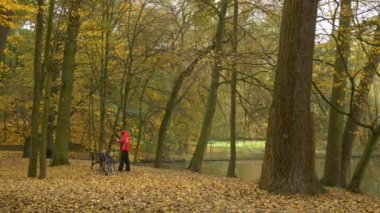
point(125, 145)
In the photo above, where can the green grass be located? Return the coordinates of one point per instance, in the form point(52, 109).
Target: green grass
point(220, 150)
point(239, 144)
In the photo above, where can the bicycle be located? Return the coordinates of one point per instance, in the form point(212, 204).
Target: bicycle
point(108, 166)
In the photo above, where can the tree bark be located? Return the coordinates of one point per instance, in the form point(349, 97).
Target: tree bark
point(32, 169)
point(104, 76)
point(289, 166)
point(5, 130)
point(63, 120)
point(48, 81)
point(27, 148)
point(142, 119)
point(357, 177)
point(139, 134)
point(232, 163)
point(128, 65)
point(170, 105)
point(357, 110)
point(196, 161)
point(331, 175)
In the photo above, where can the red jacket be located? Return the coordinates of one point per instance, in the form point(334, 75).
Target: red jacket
point(125, 142)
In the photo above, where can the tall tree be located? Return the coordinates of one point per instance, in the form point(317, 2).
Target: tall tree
point(170, 105)
point(357, 112)
point(196, 161)
point(288, 165)
point(64, 108)
point(232, 162)
point(32, 170)
point(104, 71)
point(331, 174)
point(47, 82)
point(128, 74)
point(358, 175)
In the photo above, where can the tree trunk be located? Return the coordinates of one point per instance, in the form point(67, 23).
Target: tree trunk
point(27, 148)
point(357, 110)
point(232, 163)
point(48, 80)
point(32, 169)
point(170, 105)
point(103, 89)
point(124, 103)
point(103, 78)
point(5, 130)
point(142, 118)
point(196, 161)
point(63, 120)
point(139, 134)
point(128, 65)
point(289, 166)
point(53, 111)
point(332, 173)
point(364, 160)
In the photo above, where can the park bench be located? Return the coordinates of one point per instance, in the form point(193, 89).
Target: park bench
point(97, 157)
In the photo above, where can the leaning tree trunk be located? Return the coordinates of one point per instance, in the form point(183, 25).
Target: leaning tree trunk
point(170, 105)
point(32, 170)
point(196, 161)
point(63, 120)
point(331, 175)
point(288, 165)
point(357, 110)
point(232, 164)
point(364, 161)
point(48, 80)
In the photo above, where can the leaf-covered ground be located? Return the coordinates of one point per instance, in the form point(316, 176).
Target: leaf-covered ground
point(77, 188)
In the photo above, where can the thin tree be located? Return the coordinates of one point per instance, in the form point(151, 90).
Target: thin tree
point(48, 80)
point(331, 175)
point(196, 161)
point(32, 169)
point(357, 112)
point(104, 72)
point(142, 118)
point(173, 101)
point(288, 165)
point(128, 74)
point(63, 120)
point(358, 175)
point(232, 163)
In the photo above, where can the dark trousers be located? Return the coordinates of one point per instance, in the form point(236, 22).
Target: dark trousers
point(124, 159)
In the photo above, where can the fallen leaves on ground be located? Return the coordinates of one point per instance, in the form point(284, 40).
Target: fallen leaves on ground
point(77, 188)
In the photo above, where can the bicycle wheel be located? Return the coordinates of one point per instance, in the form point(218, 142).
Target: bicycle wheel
point(108, 168)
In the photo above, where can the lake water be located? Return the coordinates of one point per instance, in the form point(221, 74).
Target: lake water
point(250, 170)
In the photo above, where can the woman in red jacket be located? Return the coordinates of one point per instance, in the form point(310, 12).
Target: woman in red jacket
point(125, 145)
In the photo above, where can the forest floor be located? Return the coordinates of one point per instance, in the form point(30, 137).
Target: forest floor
point(77, 188)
